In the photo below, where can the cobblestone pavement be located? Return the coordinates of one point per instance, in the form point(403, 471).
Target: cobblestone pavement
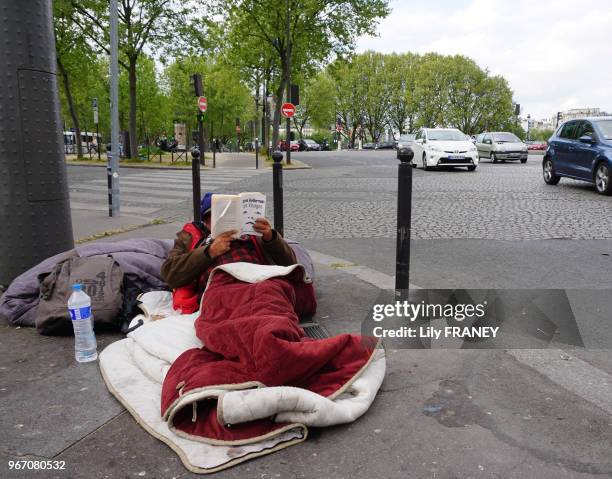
point(353, 194)
point(498, 201)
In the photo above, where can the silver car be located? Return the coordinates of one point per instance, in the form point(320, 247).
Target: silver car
point(501, 146)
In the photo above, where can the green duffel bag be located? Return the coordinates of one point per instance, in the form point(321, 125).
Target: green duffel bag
point(102, 280)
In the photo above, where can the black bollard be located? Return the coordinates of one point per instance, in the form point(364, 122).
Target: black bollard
point(195, 183)
point(256, 153)
point(404, 211)
point(277, 191)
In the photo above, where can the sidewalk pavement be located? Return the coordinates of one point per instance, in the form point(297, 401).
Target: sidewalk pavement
point(439, 413)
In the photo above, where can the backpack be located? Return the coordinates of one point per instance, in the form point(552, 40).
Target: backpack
point(102, 280)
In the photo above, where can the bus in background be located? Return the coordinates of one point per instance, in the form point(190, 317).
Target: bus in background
point(90, 142)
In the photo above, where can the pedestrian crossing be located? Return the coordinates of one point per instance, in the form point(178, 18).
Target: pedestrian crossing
point(148, 192)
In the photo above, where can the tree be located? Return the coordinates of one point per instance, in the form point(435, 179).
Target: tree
point(73, 53)
point(402, 79)
point(228, 98)
point(316, 104)
point(153, 23)
point(431, 91)
point(373, 87)
point(317, 29)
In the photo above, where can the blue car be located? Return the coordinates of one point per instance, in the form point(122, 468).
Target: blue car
point(581, 150)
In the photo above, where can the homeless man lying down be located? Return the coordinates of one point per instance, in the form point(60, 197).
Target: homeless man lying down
point(250, 330)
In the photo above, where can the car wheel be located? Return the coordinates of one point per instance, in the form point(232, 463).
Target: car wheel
point(550, 178)
point(523, 160)
point(602, 179)
point(493, 157)
point(425, 167)
point(471, 168)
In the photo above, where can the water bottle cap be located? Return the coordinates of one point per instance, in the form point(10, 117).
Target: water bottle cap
point(77, 287)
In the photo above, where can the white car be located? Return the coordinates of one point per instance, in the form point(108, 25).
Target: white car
point(435, 147)
point(501, 146)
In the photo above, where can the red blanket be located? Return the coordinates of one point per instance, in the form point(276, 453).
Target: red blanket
point(252, 339)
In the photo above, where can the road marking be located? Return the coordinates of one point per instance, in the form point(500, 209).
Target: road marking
point(126, 209)
point(145, 188)
point(143, 191)
point(82, 195)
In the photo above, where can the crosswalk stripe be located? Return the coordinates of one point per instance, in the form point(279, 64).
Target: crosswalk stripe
point(235, 173)
point(132, 199)
point(152, 186)
point(128, 189)
point(137, 183)
point(169, 183)
point(126, 209)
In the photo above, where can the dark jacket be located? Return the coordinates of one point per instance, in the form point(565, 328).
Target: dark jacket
point(184, 266)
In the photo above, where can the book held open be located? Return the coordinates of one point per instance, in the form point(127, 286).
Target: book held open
point(236, 212)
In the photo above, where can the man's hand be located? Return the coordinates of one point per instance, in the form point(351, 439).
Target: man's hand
point(221, 244)
point(262, 225)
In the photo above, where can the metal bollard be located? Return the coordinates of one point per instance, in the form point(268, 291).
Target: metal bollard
point(195, 184)
point(277, 191)
point(256, 153)
point(404, 210)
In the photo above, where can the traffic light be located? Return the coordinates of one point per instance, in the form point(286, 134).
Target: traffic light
point(196, 81)
point(517, 109)
point(295, 94)
point(559, 117)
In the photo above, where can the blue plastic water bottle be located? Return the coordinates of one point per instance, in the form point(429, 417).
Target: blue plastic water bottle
point(85, 345)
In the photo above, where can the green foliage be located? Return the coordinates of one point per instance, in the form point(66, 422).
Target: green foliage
point(254, 32)
point(228, 98)
point(405, 92)
point(540, 135)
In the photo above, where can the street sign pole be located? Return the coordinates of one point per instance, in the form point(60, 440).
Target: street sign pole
point(288, 78)
point(195, 161)
point(96, 121)
point(113, 159)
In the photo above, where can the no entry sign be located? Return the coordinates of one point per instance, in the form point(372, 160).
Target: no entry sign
point(288, 110)
point(202, 103)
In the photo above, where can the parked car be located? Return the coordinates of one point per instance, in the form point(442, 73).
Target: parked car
point(384, 145)
point(369, 146)
point(282, 145)
point(537, 146)
point(309, 145)
point(581, 150)
point(405, 140)
point(501, 146)
point(435, 147)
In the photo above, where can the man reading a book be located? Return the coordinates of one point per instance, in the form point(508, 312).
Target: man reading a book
point(196, 252)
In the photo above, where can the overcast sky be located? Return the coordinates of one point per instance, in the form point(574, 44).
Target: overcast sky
point(556, 55)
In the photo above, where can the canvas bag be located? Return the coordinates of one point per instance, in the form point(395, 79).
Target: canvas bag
point(102, 280)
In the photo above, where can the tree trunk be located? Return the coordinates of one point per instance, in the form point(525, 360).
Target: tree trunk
point(132, 121)
point(73, 113)
point(277, 112)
